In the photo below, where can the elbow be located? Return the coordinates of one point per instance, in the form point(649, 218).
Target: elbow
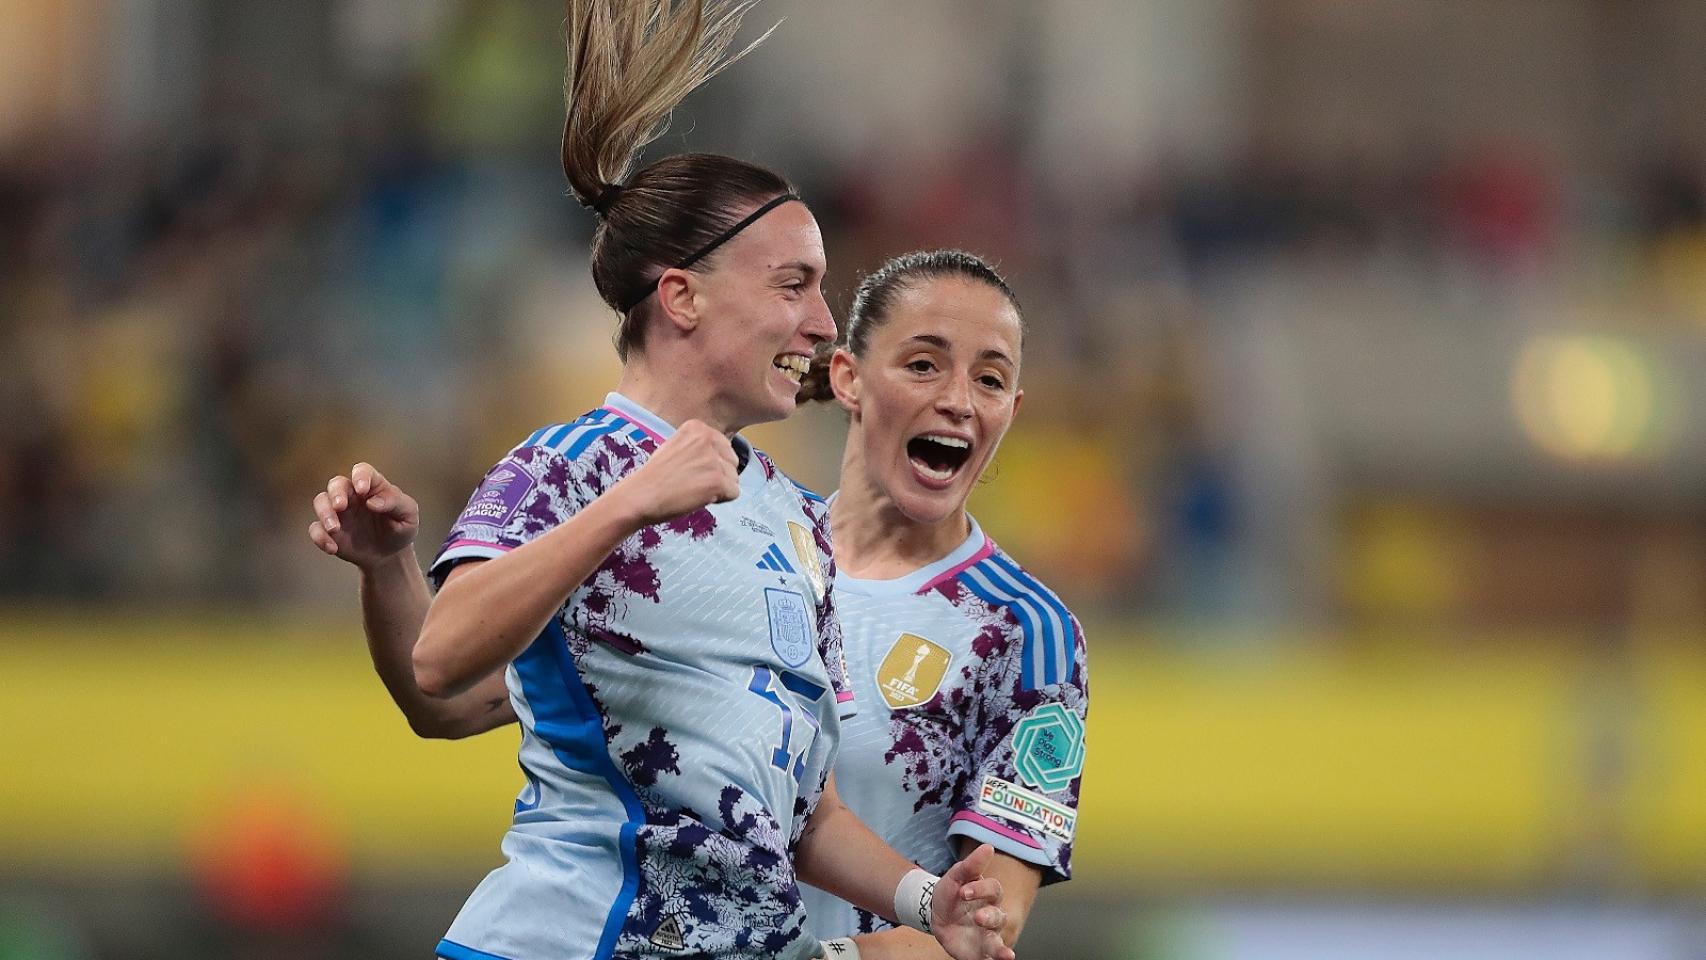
point(429, 727)
point(432, 676)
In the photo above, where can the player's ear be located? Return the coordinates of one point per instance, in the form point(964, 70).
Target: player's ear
point(677, 300)
point(844, 379)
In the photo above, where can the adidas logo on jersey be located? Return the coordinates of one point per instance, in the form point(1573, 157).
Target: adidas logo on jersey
point(668, 934)
point(774, 560)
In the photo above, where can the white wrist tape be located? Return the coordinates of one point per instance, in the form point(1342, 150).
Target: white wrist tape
point(841, 948)
point(912, 898)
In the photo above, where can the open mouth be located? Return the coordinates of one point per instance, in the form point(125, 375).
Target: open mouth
point(793, 366)
point(938, 456)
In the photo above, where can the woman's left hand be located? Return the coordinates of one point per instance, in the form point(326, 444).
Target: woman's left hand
point(965, 911)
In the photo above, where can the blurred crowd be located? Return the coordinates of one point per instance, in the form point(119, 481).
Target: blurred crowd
point(203, 320)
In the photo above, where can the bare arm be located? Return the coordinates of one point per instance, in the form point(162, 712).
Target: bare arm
point(370, 522)
point(840, 854)
point(394, 601)
point(1019, 883)
point(487, 613)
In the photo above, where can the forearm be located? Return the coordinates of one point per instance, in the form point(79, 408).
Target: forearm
point(487, 613)
point(394, 603)
point(841, 855)
point(901, 943)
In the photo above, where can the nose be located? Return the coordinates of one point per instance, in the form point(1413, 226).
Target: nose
point(820, 324)
point(954, 399)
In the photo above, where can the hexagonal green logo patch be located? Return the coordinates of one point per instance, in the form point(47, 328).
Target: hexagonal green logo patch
point(1048, 747)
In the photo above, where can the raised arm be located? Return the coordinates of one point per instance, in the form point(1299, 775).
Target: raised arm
point(370, 522)
point(963, 910)
point(487, 613)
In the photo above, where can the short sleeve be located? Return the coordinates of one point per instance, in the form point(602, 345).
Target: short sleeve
point(523, 496)
point(1026, 748)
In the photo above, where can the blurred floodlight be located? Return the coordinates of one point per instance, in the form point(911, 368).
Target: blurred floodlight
point(1591, 398)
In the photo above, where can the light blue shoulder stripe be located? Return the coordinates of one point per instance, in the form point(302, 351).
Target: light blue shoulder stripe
point(977, 579)
point(809, 494)
point(550, 436)
point(1045, 653)
point(1063, 651)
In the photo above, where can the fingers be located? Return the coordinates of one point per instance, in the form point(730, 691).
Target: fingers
point(365, 479)
point(321, 538)
point(990, 918)
point(983, 888)
point(973, 865)
point(340, 491)
point(328, 516)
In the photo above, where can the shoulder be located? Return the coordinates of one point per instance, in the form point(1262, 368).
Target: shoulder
point(1050, 638)
point(812, 502)
point(584, 438)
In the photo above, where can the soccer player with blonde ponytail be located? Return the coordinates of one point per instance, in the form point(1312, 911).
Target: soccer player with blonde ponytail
point(652, 597)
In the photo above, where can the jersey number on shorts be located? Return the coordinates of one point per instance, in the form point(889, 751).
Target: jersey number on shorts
point(764, 684)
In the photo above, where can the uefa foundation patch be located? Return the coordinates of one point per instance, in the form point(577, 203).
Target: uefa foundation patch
point(1009, 801)
point(500, 496)
point(1048, 747)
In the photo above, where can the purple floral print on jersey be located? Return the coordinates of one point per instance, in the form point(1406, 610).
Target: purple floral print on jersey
point(647, 760)
point(685, 864)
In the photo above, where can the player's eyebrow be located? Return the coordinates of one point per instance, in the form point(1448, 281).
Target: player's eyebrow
point(799, 265)
point(941, 343)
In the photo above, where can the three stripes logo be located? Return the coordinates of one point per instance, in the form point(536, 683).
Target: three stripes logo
point(774, 560)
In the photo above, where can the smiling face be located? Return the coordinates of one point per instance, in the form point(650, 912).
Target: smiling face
point(762, 311)
point(933, 393)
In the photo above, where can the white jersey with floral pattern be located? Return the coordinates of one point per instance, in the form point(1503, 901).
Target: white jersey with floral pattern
point(972, 685)
point(678, 715)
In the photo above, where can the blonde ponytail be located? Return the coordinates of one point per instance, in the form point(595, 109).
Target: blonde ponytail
point(630, 63)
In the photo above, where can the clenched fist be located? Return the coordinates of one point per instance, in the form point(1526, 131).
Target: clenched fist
point(695, 467)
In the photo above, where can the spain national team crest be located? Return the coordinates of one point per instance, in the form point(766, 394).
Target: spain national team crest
point(912, 672)
point(805, 547)
point(790, 626)
point(1048, 747)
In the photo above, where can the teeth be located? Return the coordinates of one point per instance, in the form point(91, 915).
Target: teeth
point(794, 366)
point(932, 473)
point(955, 442)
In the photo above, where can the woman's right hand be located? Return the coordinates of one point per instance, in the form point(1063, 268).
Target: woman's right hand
point(693, 468)
point(364, 518)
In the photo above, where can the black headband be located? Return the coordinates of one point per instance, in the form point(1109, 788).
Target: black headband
point(716, 242)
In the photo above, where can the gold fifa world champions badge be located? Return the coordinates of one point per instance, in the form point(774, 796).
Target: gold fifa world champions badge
point(805, 547)
point(912, 672)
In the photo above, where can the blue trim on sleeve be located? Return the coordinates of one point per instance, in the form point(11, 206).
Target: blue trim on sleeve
point(1062, 653)
point(811, 495)
point(585, 438)
point(451, 950)
point(1042, 660)
point(565, 717)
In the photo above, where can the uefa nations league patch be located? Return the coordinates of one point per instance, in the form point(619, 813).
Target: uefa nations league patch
point(499, 496)
point(1048, 747)
point(790, 627)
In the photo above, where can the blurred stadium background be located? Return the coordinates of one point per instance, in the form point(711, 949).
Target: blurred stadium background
point(1366, 429)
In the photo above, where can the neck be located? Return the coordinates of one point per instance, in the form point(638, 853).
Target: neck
point(673, 398)
point(874, 540)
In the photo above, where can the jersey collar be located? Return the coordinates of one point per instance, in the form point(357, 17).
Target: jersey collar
point(975, 547)
point(661, 430)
